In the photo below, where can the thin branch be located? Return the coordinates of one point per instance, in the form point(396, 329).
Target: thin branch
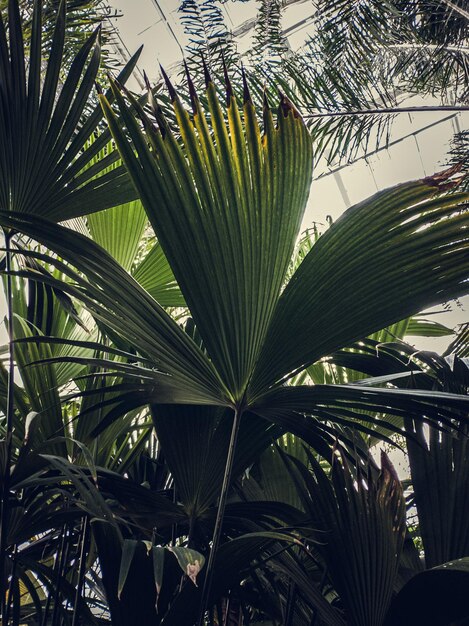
point(333, 170)
point(82, 568)
point(387, 111)
point(456, 8)
point(428, 46)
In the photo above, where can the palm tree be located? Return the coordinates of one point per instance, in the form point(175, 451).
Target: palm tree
point(240, 199)
point(226, 203)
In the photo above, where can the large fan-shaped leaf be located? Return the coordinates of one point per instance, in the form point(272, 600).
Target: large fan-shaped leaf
point(240, 199)
point(384, 260)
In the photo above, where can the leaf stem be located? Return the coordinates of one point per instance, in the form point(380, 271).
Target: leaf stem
point(4, 512)
point(220, 514)
point(386, 110)
point(81, 571)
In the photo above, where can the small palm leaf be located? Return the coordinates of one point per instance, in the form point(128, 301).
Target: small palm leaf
point(363, 519)
point(44, 125)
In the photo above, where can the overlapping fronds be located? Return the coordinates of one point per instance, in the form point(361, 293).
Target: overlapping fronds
point(363, 520)
point(240, 197)
point(43, 125)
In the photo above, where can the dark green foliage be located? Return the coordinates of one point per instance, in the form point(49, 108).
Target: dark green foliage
point(189, 433)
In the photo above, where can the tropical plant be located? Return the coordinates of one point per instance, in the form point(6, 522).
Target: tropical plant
point(438, 458)
point(241, 366)
point(44, 129)
point(359, 66)
point(363, 558)
point(216, 375)
point(83, 17)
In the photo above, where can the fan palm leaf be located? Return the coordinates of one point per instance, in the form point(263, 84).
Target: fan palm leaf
point(241, 197)
point(241, 223)
point(44, 124)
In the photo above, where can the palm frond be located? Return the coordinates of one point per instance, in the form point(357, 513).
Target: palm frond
point(43, 125)
point(247, 218)
point(363, 518)
point(419, 221)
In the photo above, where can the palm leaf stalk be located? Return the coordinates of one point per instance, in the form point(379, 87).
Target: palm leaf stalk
point(82, 545)
point(220, 515)
point(390, 111)
point(6, 461)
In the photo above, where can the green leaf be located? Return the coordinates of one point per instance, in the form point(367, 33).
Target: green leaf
point(156, 276)
point(158, 566)
point(236, 556)
point(117, 300)
point(352, 404)
point(421, 327)
point(240, 200)
point(40, 385)
point(435, 597)
point(190, 561)
point(369, 264)
point(119, 231)
point(128, 551)
point(195, 440)
point(362, 517)
point(439, 468)
point(45, 122)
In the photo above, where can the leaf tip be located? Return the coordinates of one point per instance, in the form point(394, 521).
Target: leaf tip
point(192, 92)
point(207, 77)
point(229, 88)
point(172, 91)
point(246, 93)
point(444, 181)
point(286, 106)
